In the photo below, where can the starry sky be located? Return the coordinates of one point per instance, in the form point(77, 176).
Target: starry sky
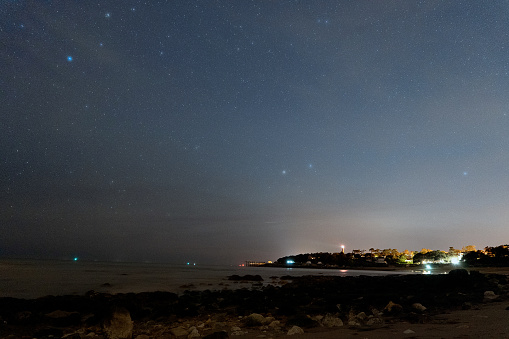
point(224, 131)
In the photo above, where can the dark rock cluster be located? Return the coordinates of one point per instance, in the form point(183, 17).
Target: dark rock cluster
point(303, 302)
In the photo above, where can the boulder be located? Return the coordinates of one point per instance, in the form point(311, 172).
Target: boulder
point(331, 320)
point(179, 332)
point(361, 316)
point(295, 330)
point(193, 332)
point(353, 320)
point(375, 322)
point(393, 308)
point(268, 320)
point(254, 319)
point(235, 330)
point(376, 312)
point(418, 307)
point(275, 325)
point(118, 325)
point(490, 296)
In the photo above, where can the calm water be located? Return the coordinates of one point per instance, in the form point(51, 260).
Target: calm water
point(36, 278)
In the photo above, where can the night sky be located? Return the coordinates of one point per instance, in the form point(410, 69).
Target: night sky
point(224, 131)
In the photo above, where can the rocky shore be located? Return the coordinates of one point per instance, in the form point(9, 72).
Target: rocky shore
point(286, 306)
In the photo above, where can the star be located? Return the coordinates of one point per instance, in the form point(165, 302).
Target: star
point(283, 172)
point(69, 58)
point(107, 15)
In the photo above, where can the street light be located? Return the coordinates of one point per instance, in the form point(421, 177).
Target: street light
point(342, 248)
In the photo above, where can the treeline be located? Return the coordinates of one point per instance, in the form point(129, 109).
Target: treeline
point(490, 256)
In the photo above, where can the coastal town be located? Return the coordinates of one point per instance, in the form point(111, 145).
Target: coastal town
point(488, 256)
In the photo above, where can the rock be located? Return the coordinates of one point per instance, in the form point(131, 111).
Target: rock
point(237, 331)
point(353, 320)
point(254, 319)
point(179, 332)
point(354, 323)
point(218, 326)
point(275, 325)
point(295, 330)
point(331, 321)
point(268, 320)
point(193, 333)
point(119, 325)
point(409, 331)
point(376, 312)
point(375, 322)
point(418, 307)
point(393, 308)
point(361, 316)
point(490, 296)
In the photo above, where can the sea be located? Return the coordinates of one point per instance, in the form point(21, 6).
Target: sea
point(31, 279)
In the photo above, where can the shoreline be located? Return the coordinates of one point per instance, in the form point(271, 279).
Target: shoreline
point(320, 306)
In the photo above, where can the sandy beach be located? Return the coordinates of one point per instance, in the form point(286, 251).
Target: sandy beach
point(490, 320)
